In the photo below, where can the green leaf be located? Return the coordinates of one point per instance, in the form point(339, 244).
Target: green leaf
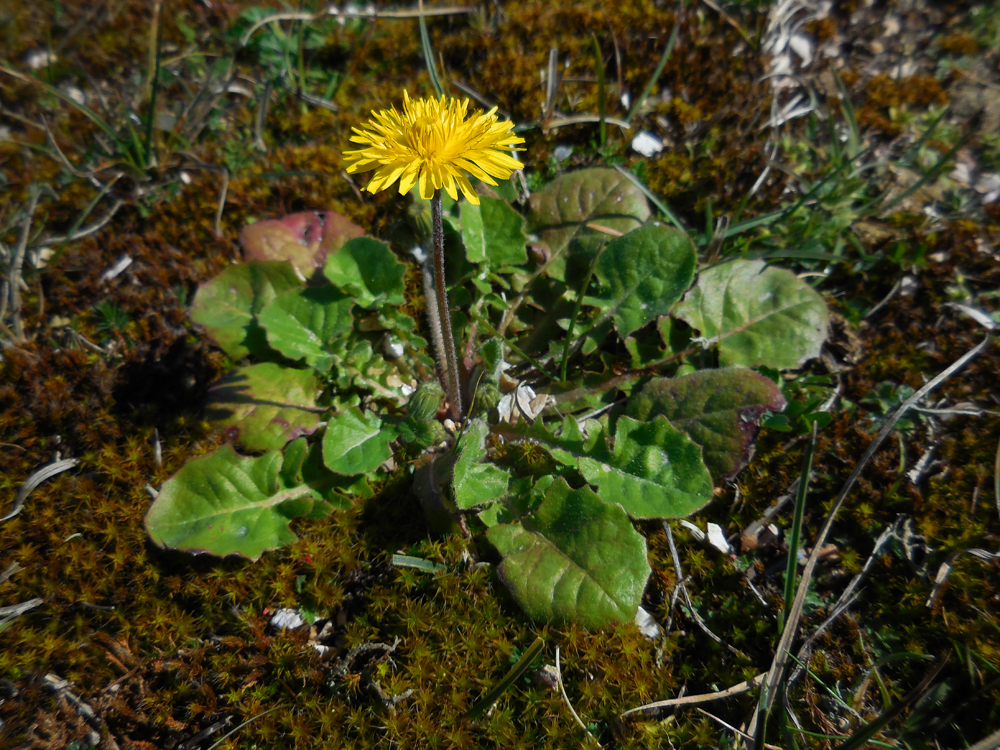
point(476, 483)
point(643, 273)
point(301, 323)
point(264, 406)
point(304, 239)
point(560, 212)
point(303, 464)
point(719, 409)
point(226, 504)
point(573, 559)
point(367, 270)
point(654, 471)
point(227, 304)
point(493, 233)
point(757, 315)
point(356, 442)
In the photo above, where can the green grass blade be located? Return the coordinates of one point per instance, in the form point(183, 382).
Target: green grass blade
point(864, 735)
point(514, 348)
point(853, 131)
point(87, 111)
point(795, 537)
point(664, 209)
point(914, 150)
point(659, 69)
point(149, 148)
point(425, 41)
point(233, 731)
point(511, 677)
point(929, 175)
point(576, 313)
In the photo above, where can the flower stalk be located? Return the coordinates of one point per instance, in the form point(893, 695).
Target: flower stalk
point(431, 145)
point(447, 356)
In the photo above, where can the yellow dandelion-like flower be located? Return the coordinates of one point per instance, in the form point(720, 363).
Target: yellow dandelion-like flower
point(430, 144)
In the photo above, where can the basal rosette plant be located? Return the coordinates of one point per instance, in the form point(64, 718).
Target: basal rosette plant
point(601, 379)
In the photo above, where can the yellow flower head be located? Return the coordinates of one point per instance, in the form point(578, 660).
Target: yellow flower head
point(429, 145)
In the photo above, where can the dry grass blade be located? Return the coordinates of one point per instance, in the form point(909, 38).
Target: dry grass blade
point(562, 691)
point(944, 572)
point(46, 472)
point(996, 478)
point(783, 651)
point(687, 597)
point(990, 742)
point(691, 700)
point(16, 265)
point(332, 10)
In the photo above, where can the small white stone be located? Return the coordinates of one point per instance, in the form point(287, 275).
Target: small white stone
point(287, 619)
point(74, 93)
point(647, 144)
point(648, 626)
point(717, 538)
point(39, 58)
point(562, 152)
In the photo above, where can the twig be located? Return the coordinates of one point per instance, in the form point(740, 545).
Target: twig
point(777, 671)
point(562, 690)
point(687, 597)
point(691, 700)
point(389, 701)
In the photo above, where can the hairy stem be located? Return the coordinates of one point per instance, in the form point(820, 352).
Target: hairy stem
point(447, 359)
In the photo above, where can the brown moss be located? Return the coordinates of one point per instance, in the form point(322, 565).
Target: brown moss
point(958, 44)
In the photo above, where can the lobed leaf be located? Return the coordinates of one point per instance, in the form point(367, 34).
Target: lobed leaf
point(476, 483)
point(301, 323)
point(226, 504)
point(719, 409)
point(654, 471)
point(227, 304)
point(263, 406)
point(758, 315)
point(573, 559)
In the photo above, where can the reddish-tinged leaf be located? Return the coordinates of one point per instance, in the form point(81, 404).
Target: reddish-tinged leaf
point(719, 409)
point(305, 239)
